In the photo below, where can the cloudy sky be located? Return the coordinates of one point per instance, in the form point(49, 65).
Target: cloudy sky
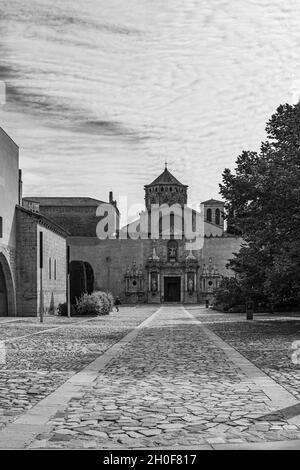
point(101, 92)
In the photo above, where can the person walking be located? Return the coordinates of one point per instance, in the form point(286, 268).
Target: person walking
point(117, 303)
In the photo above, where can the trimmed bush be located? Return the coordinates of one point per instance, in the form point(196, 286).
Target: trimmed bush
point(97, 303)
point(77, 280)
point(90, 279)
point(62, 310)
point(81, 280)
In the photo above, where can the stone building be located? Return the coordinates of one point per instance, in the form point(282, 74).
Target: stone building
point(141, 266)
point(75, 214)
point(9, 197)
point(33, 248)
point(41, 263)
point(163, 256)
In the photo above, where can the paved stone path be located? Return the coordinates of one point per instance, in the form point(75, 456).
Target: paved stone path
point(174, 383)
point(40, 359)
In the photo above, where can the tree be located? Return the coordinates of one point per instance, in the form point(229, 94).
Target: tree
point(263, 205)
point(229, 292)
point(81, 280)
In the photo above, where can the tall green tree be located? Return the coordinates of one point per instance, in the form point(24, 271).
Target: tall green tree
point(263, 205)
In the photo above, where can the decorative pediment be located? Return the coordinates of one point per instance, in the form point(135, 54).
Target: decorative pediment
point(134, 271)
point(210, 270)
point(134, 279)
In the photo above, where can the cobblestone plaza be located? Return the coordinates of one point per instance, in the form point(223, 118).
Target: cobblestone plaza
point(150, 378)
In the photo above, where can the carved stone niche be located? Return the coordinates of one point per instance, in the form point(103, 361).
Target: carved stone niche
point(134, 279)
point(172, 251)
point(191, 269)
point(210, 278)
point(190, 282)
point(154, 282)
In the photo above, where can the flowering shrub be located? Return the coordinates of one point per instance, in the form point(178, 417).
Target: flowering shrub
point(104, 302)
point(97, 303)
point(111, 301)
point(89, 304)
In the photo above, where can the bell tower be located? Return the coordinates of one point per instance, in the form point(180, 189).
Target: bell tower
point(214, 212)
point(165, 189)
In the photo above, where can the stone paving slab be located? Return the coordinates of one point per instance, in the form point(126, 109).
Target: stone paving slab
point(279, 397)
point(174, 384)
point(266, 342)
point(170, 383)
point(8, 320)
point(38, 364)
point(26, 427)
point(278, 445)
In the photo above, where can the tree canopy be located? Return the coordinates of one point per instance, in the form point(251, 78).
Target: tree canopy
point(262, 202)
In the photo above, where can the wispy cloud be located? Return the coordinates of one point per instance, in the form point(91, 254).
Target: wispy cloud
point(104, 92)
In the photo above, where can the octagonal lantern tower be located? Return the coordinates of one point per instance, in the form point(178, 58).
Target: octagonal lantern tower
point(165, 189)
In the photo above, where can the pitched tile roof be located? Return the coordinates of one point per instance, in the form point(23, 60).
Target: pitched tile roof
point(65, 201)
point(212, 201)
point(165, 178)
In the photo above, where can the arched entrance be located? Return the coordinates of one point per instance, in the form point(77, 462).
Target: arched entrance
point(3, 295)
point(7, 289)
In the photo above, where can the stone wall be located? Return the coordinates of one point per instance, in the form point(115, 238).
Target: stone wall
point(8, 300)
point(26, 265)
point(9, 197)
point(78, 221)
point(28, 270)
point(220, 250)
point(54, 277)
point(110, 258)
point(9, 188)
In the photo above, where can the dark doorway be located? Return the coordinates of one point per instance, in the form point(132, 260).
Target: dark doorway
point(172, 289)
point(3, 295)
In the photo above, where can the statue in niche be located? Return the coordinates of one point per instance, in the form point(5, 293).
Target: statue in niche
point(190, 285)
point(154, 285)
point(172, 250)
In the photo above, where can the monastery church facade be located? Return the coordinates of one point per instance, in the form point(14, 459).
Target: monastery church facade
point(35, 233)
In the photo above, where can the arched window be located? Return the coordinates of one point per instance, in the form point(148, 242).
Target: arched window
point(218, 216)
point(162, 188)
point(172, 223)
point(208, 215)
